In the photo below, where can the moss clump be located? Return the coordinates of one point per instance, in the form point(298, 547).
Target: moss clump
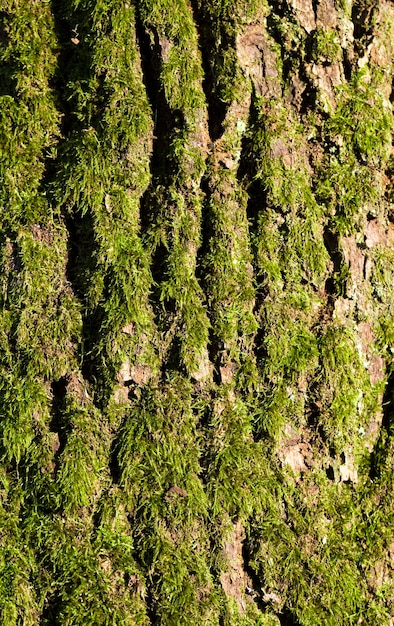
point(326, 47)
point(101, 175)
point(358, 136)
point(345, 387)
point(159, 465)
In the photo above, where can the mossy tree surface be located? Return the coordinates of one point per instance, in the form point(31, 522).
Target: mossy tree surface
point(196, 330)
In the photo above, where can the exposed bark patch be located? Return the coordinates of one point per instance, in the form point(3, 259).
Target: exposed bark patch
point(354, 258)
point(77, 388)
point(295, 451)
point(204, 372)
point(348, 469)
point(251, 45)
point(42, 233)
point(137, 373)
point(175, 492)
point(235, 581)
point(374, 363)
point(376, 234)
point(305, 12)
point(382, 572)
point(326, 14)
point(12, 259)
point(325, 79)
point(227, 372)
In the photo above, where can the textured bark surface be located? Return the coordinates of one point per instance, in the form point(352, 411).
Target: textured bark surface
point(197, 299)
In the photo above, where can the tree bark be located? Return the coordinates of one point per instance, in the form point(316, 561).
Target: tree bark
point(197, 235)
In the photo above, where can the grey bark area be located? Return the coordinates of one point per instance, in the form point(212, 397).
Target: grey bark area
point(197, 300)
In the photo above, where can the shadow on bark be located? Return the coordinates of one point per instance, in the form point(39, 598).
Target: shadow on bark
point(381, 451)
point(216, 43)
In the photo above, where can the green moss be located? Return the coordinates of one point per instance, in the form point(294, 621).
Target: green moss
point(176, 229)
point(102, 174)
point(181, 73)
point(344, 390)
point(381, 281)
point(363, 121)
point(358, 136)
point(347, 189)
point(322, 578)
point(118, 493)
point(326, 46)
point(48, 323)
point(227, 263)
point(220, 23)
point(291, 228)
point(28, 118)
point(158, 459)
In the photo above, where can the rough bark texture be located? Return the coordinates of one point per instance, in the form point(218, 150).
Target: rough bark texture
point(196, 336)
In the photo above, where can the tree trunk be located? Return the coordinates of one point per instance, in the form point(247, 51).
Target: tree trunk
point(196, 338)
